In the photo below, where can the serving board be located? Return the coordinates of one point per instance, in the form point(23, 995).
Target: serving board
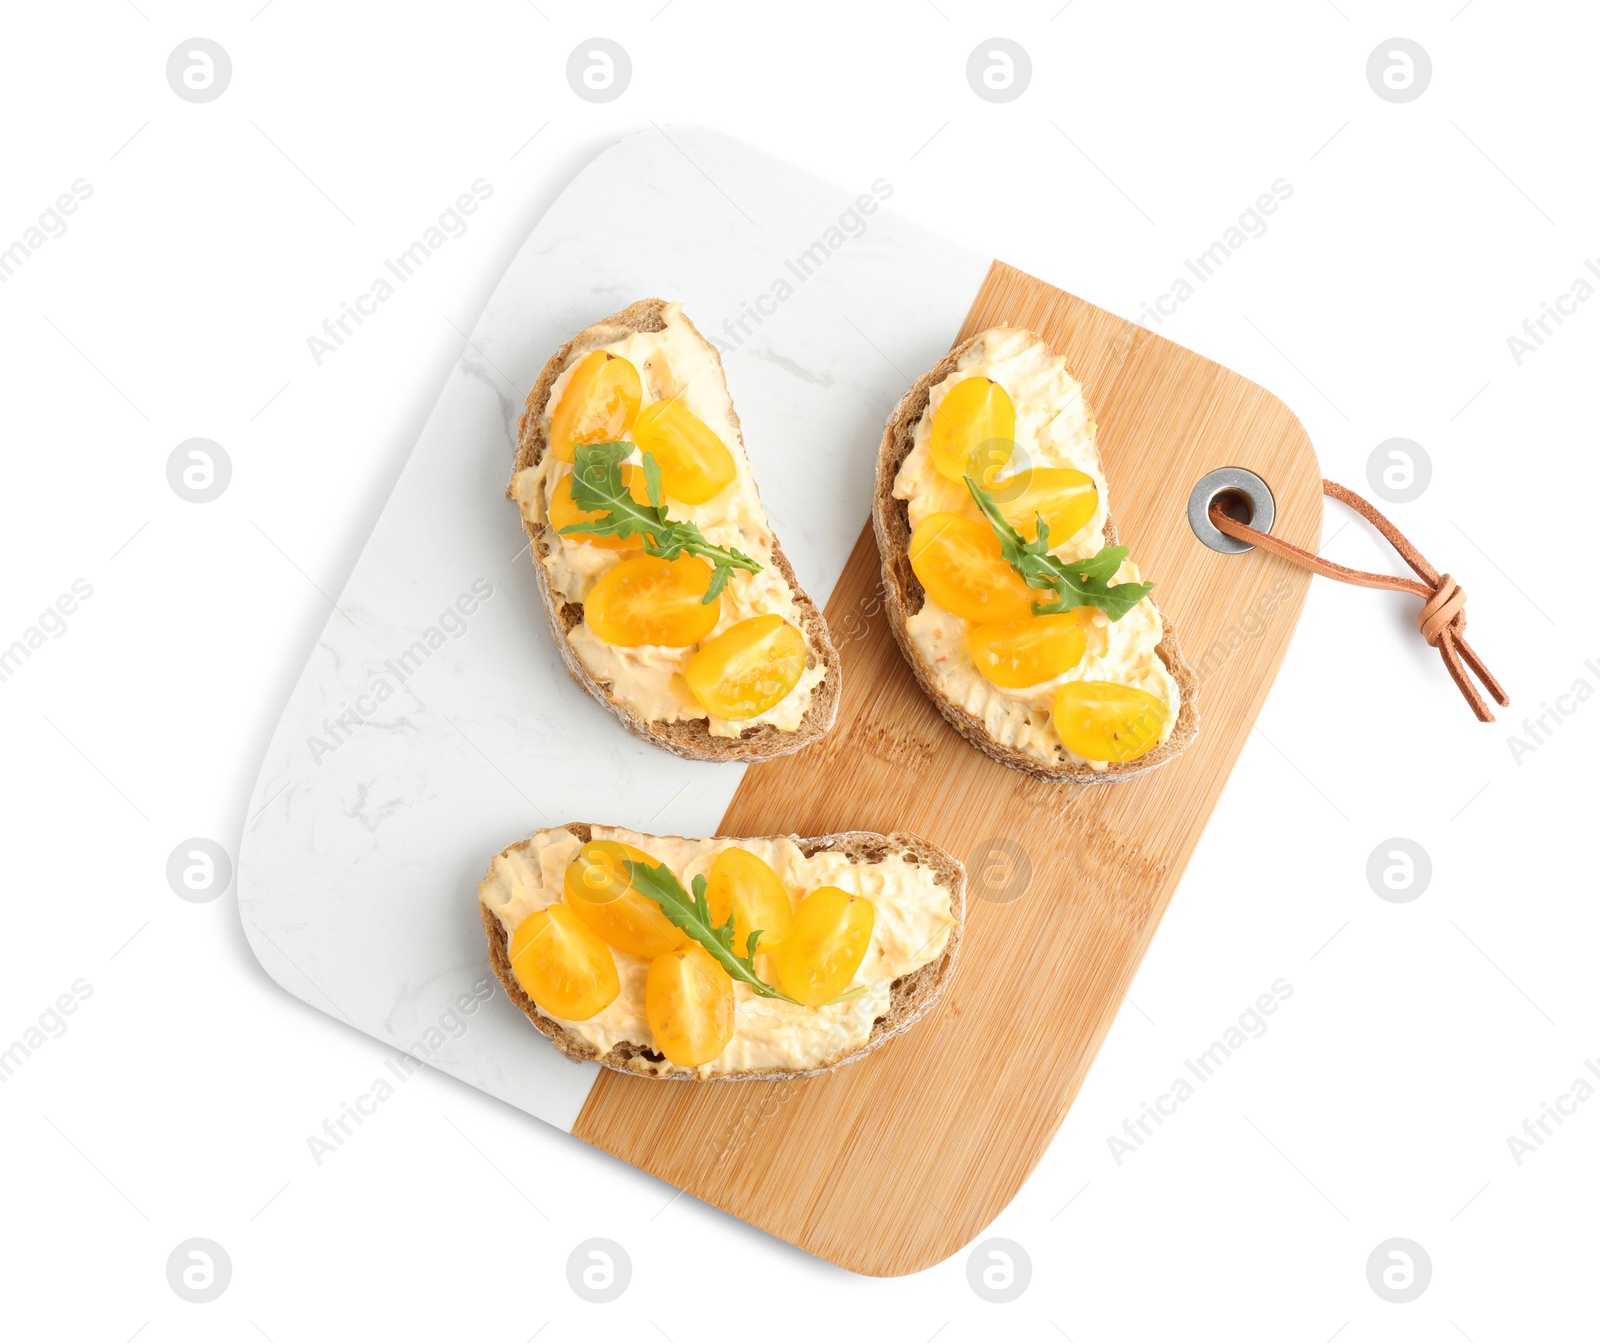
point(894, 1163)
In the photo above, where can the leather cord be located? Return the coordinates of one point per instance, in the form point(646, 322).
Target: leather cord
point(1443, 618)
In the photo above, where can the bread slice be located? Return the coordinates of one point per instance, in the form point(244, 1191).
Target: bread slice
point(904, 596)
point(690, 738)
point(910, 996)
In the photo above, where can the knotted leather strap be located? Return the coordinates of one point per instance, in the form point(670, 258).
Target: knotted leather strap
point(1443, 619)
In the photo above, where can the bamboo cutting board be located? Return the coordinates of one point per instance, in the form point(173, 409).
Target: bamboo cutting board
point(894, 1163)
point(433, 723)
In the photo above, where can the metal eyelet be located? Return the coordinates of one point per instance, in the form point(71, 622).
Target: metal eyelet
point(1229, 480)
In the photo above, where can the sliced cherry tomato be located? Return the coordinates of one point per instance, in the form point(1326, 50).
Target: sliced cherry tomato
point(597, 405)
point(1021, 653)
point(649, 600)
point(1102, 720)
point(601, 894)
point(688, 1001)
point(1065, 497)
point(974, 431)
point(563, 966)
point(747, 668)
point(825, 945)
point(742, 885)
point(695, 464)
point(958, 561)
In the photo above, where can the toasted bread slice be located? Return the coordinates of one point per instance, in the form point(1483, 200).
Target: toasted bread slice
point(910, 996)
point(904, 598)
point(689, 737)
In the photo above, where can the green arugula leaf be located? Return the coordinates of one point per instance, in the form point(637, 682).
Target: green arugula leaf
point(1072, 583)
point(693, 915)
point(597, 485)
point(652, 480)
point(1104, 565)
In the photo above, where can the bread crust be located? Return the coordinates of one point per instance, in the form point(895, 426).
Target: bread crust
point(690, 738)
point(910, 996)
point(904, 596)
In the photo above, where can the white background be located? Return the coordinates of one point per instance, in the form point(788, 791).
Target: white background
point(1419, 1036)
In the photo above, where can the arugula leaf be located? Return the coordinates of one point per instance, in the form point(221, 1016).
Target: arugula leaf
point(1072, 583)
point(652, 479)
point(597, 485)
point(693, 915)
point(1103, 565)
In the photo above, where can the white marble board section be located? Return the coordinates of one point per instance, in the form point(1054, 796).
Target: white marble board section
point(434, 723)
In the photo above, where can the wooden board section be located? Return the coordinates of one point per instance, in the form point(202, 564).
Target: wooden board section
point(894, 1163)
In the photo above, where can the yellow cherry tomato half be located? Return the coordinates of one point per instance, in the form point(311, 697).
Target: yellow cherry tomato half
point(1065, 497)
point(563, 966)
point(649, 600)
point(688, 1001)
point(695, 464)
point(974, 431)
point(1021, 653)
point(742, 885)
point(825, 945)
point(1101, 720)
point(597, 405)
point(564, 513)
point(747, 668)
point(957, 560)
point(600, 893)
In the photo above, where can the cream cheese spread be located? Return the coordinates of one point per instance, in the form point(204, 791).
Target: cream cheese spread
point(673, 362)
point(912, 920)
point(1054, 428)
